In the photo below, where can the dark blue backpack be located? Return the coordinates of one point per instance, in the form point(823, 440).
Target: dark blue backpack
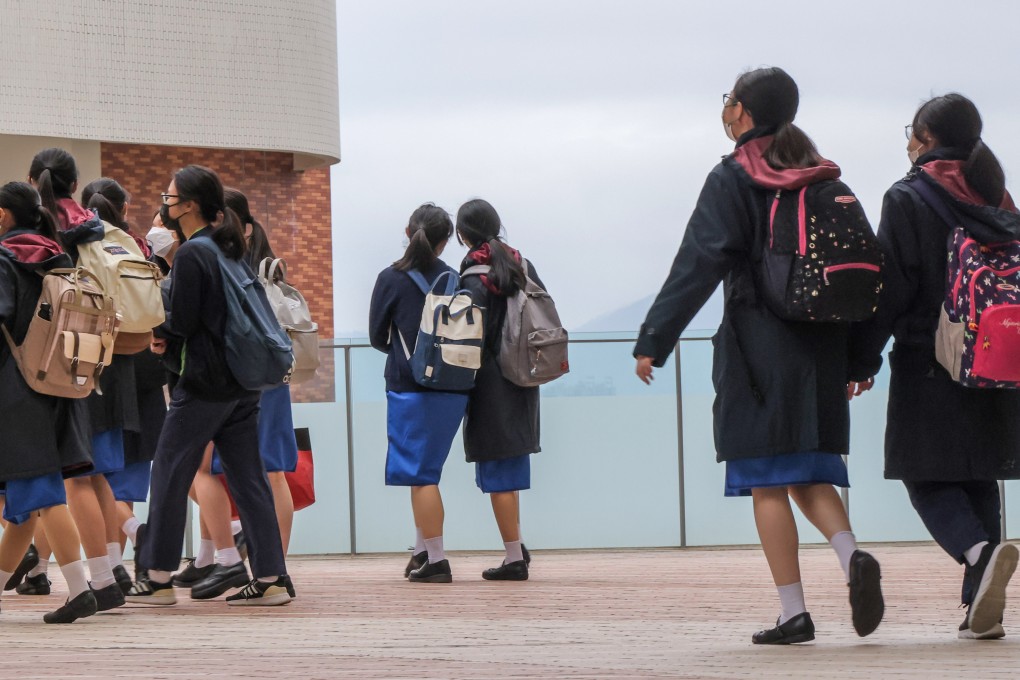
point(258, 350)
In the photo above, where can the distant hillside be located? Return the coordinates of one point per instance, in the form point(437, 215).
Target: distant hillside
point(629, 317)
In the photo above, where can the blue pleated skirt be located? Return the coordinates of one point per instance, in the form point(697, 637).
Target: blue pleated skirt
point(25, 496)
point(792, 469)
point(420, 427)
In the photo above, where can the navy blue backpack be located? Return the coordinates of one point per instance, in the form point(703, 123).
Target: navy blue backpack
point(257, 348)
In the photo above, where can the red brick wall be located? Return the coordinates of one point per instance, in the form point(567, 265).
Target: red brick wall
point(294, 208)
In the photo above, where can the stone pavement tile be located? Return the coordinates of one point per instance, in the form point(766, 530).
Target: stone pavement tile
point(641, 614)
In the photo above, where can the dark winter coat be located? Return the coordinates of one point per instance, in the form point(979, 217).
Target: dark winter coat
point(41, 434)
point(397, 302)
point(799, 370)
point(936, 430)
point(502, 420)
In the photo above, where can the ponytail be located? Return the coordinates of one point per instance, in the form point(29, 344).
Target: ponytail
point(791, 148)
point(55, 174)
point(507, 274)
point(229, 235)
point(46, 193)
point(46, 223)
point(983, 171)
point(106, 211)
point(429, 227)
point(23, 202)
point(419, 253)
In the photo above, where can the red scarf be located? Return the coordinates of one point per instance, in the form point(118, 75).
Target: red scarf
point(483, 255)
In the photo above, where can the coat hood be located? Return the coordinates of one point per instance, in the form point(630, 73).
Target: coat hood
point(33, 251)
point(78, 224)
point(750, 157)
point(986, 223)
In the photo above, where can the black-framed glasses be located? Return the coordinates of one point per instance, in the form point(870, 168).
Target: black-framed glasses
point(728, 99)
point(166, 196)
point(908, 130)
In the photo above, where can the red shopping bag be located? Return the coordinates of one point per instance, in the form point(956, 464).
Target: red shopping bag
point(301, 481)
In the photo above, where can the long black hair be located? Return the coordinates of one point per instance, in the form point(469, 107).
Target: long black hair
point(429, 227)
point(479, 223)
point(771, 98)
point(257, 241)
point(203, 186)
point(55, 173)
point(29, 213)
point(108, 199)
point(954, 122)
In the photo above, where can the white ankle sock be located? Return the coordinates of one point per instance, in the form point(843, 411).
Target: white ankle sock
point(74, 574)
point(973, 553)
point(513, 551)
point(160, 577)
point(227, 557)
point(40, 568)
point(435, 548)
point(100, 572)
point(268, 579)
point(791, 599)
point(114, 553)
point(235, 526)
point(206, 553)
point(844, 543)
point(130, 527)
point(419, 541)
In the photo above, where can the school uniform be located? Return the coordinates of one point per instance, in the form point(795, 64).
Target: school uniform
point(946, 442)
point(131, 484)
point(421, 423)
point(207, 405)
point(45, 438)
point(502, 425)
point(780, 415)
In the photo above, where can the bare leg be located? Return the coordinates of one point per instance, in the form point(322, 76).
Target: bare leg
point(777, 530)
point(214, 504)
point(284, 503)
point(88, 516)
point(108, 506)
point(63, 534)
point(506, 508)
point(15, 542)
point(427, 505)
point(823, 507)
point(42, 543)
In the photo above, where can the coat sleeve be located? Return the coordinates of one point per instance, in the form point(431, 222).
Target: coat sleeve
point(187, 293)
point(901, 280)
point(380, 314)
point(718, 236)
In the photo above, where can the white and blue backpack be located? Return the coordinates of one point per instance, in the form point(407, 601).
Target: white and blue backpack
point(448, 351)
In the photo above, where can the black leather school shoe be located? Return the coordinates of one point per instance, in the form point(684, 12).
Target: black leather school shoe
point(432, 573)
point(798, 629)
point(515, 571)
point(81, 606)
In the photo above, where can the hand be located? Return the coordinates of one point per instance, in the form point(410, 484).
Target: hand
point(856, 389)
point(644, 370)
point(158, 346)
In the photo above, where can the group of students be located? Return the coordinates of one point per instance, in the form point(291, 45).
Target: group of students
point(72, 468)
point(781, 413)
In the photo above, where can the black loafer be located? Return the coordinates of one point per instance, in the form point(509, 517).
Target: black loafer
point(417, 561)
point(438, 572)
point(527, 555)
point(34, 585)
point(190, 575)
point(220, 580)
point(123, 578)
point(798, 629)
point(109, 597)
point(27, 564)
point(78, 608)
point(515, 571)
point(866, 603)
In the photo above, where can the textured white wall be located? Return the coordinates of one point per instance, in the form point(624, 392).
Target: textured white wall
point(247, 74)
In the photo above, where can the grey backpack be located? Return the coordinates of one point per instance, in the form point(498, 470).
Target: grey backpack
point(533, 348)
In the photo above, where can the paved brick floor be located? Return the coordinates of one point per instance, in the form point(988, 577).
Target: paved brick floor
point(621, 614)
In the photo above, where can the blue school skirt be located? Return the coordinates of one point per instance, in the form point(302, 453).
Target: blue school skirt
point(420, 427)
point(277, 444)
point(131, 485)
point(107, 452)
point(507, 474)
point(791, 469)
point(25, 496)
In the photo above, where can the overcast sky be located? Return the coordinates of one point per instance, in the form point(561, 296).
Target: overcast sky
point(591, 125)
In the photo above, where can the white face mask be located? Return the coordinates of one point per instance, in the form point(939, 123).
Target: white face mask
point(161, 240)
point(913, 155)
point(729, 132)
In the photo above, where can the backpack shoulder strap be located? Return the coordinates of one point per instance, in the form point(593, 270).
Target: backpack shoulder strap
point(419, 280)
point(930, 196)
point(476, 270)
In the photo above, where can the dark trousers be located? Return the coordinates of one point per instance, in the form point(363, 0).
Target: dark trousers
point(958, 515)
point(191, 423)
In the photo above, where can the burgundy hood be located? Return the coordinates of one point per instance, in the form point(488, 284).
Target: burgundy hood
point(750, 157)
point(34, 251)
point(72, 214)
point(949, 174)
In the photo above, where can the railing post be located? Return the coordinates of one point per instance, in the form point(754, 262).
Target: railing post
point(350, 449)
point(680, 446)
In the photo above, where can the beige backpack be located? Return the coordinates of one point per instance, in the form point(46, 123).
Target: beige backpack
point(292, 312)
point(70, 338)
point(131, 280)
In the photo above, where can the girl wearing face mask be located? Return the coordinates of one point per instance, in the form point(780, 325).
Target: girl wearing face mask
point(207, 405)
point(946, 442)
point(55, 174)
point(784, 438)
point(45, 438)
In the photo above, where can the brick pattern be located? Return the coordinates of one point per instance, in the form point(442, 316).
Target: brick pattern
point(294, 208)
